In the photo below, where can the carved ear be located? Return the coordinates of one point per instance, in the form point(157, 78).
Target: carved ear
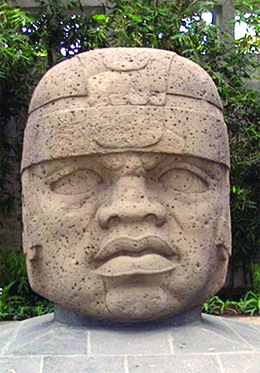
point(223, 234)
point(25, 244)
point(30, 247)
point(222, 246)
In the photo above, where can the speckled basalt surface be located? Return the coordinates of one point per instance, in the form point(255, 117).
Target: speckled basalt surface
point(209, 345)
point(118, 99)
point(125, 185)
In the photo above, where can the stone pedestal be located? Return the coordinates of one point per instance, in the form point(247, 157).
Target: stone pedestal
point(211, 344)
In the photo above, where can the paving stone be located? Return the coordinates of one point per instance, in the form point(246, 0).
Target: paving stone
point(7, 334)
point(20, 364)
point(48, 338)
point(83, 364)
point(212, 345)
point(120, 342)
point(208, 335)
point(173, 364)
point(240, 363)
point(249, 333)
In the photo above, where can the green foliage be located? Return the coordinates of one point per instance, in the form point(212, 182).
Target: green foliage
point(18, 70)
point(216, 306)
point(18, 301)
point(13, 268)
point(56, 29)
point(15, 307)
point(248, 12)
point(256, 277)
point(156, 24)
point(16, 56)
point(248, 305)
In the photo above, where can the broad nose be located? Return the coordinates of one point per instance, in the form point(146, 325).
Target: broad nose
point(130, 203)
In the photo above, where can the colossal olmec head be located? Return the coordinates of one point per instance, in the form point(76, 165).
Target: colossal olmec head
point(125, 182)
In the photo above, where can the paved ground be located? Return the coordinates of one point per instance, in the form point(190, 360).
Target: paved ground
point(211, 345)
point(249, 319)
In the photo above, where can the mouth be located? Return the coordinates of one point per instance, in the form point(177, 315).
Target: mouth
point(129, 257)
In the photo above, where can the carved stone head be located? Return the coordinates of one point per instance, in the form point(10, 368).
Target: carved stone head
point(125, 185)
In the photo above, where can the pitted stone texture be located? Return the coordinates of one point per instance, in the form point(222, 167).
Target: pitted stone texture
point(214, 344)
point(125, 185)
point(165, 72)
point(134, 93)
point(126, 237)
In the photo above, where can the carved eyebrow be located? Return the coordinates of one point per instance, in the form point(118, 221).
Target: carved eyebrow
point(188, 166)
point(106, 162)
point(140, 161)
point(65, 166)
point(152, 161)
point(60, 170)
point(50, 169)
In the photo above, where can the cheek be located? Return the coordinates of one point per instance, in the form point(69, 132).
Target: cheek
point(61, 218)
point(69, 238)
point(192, 212)
point(191, 225)
point(68, 284)
point(194, 273)
point(196, 252)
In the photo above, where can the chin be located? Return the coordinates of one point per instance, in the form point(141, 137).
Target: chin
point(139, 304)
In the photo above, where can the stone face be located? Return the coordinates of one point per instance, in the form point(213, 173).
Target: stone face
point(125, 184)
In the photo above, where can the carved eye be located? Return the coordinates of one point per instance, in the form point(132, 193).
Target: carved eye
point(183, 180)
point(77, 182)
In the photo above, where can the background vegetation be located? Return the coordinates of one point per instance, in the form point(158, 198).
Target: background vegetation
point(32, 43)
point(17, 300)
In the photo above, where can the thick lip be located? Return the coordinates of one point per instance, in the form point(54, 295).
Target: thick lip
point(134, 247)
point(147, 264)
point(126, 256)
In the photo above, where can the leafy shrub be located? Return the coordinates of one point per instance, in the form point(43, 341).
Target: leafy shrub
point(249, 305)
point(216, 306)
point(20, 66)
point(18, 301)
point(256, 277)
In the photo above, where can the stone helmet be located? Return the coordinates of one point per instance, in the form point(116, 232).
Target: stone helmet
point(125, 99)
